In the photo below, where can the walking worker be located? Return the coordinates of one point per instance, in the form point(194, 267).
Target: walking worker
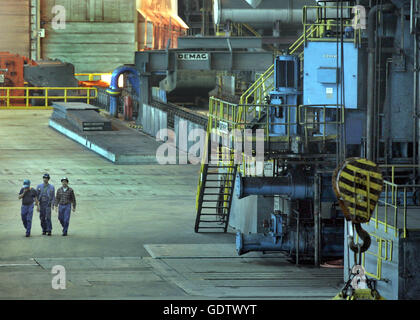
point(46, 197)
point(28, 196)
point(64, 199)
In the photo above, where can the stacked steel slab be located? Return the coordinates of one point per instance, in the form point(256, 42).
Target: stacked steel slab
point(84, 117)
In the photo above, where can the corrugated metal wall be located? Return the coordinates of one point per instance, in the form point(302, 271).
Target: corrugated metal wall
point(15, 26)
point(184, 130)
point(98, 37)
point(153, 120)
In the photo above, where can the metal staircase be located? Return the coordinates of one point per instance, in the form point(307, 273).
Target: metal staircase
point(215, 187)
point(215, 198)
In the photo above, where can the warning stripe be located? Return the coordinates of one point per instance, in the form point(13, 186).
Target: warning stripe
point(357, 187)
point(342, 186)
point(359, 213)
point(365, 164)
point(360, 204)
point(362, 176)
point(350, 180)
point(355, 168)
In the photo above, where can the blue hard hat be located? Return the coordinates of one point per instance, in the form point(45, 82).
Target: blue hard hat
point(46, 175)
point(26, 183)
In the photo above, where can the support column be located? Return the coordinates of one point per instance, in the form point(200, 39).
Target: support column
point(317, 220)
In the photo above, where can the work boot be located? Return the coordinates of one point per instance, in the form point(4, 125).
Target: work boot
point(44, 233)
point(28, 235)
point(64, 234)
point(49, 233)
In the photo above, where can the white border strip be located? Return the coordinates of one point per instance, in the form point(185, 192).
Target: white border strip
point(83, 141)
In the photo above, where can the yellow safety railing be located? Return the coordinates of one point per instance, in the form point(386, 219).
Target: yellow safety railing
point(383, 253)
point(20, 97)
point(251, 29)
point(324, 22)
point(237, 29)
point(219, 111)
point(301, 40)
point(394, 203)
point(313, 120)
point(258, 90)
point(91, 76)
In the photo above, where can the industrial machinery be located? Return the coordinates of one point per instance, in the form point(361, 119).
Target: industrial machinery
point(265, 18)
point(11, 71)
point(18, 73)
point(44, 73)
point(348, 87)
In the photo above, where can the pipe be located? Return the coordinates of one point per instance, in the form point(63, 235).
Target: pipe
point(260, 13)
point(114, 91)
point(254, 3)
point(293, 186)
point(372, 16)
point(261, 16)
point(413, 30)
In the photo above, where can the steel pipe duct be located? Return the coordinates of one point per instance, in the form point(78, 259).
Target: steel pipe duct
point(371, 81)
point(294, 186)
point(261, 13)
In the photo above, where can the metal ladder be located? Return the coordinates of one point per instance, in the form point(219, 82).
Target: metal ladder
point(214, 196)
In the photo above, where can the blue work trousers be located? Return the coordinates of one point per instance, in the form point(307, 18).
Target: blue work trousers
point(45, 216)
point(64, 215)
point(27, 213)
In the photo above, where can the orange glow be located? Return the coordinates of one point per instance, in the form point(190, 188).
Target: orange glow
point(158, 23)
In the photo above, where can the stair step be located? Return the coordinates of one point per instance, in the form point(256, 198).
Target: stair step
point(216, 194)
point(215, 200)
point(223, 173)
point(212, 207)
point(214, 214)
point(224, 167)
point(210, 187)
point(212, 221)
point(211, 227)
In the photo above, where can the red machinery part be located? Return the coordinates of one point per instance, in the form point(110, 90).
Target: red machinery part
point(128, 108)
point(14, 63)
point(12, 71)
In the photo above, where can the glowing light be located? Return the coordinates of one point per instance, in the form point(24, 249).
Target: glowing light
point(107, 78)
point(158, 23)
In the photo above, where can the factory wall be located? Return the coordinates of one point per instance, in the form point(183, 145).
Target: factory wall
point(15, 26)
point(99, 35)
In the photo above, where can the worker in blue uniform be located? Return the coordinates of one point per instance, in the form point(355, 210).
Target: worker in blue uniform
point(28, 196)
point(46, 198)
point(65, 198)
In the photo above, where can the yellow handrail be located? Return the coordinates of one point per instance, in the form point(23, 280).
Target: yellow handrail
point(251, 29)
point(68, 94)
point(301, 40)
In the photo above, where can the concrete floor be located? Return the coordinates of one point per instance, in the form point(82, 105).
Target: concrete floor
point(120, 209)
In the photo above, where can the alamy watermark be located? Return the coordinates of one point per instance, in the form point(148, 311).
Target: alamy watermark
point(189, 146)
point(59, 20)
point(58, 281)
